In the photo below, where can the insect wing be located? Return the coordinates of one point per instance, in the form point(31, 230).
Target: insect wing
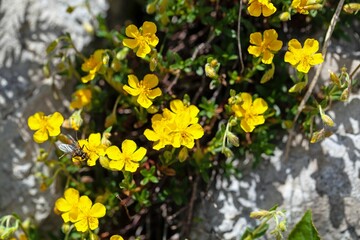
point(66, 148)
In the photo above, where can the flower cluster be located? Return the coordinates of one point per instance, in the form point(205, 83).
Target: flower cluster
point(79, 210)
point(250, 112)
point(45, 126)
point(265, 46)
point(177, 126)
point(146, 89)
point(141, 40)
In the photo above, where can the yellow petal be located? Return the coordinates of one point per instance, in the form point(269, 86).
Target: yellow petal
point(133, 81)
point(93, 223)
point(113, 152)
point(149, 28)
point(150, 81)
point(35, 121)
point(196, 130)
point(256, 38)
point(245, 126)
point(254, 50)
point(132, 31)
point(117, 165)
point(267, 57)
point(144, 101)
point(131, 43)
point(82, 225)
point(116, 237)
point(98, 210)
point(62, 205)
point(41, 135)
point(268, 10)
point(151, 135)
point(311, 46)
point(291, 58)
point(88, 78)
point(128, 147)
point(303, 66)
point(139, 154)
point(131, 166)
point(85, 204)
point(316, 59)
point(71, 195)
point(254, 9)
point(294, 45)
point(132, 91)
point(154, 93)
point(247, 101)
point(143, 50)
point(259, 106)
point(95, 139)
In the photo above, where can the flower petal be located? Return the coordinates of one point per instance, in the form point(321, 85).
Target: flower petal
point(131, 43)
point(117, 165)
point(256, 38)
point(259, 106)
point(154, 93)
point(41, 135)
point(128, 147)
point(98, 210)
point(138, 155)
point(35, 121)
point(132, 31)
point(93, 223)
point(113, 152)
point(144, 101)
point(82, 225)
point(131, 166)
point(247, 101)
point(149, 28)
point(150, 81)
point(143, 50)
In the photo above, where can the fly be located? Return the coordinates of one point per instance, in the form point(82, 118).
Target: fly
point(72, 147)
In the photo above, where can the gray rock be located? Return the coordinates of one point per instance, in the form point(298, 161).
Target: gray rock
point(324, 177)
point(27, 28)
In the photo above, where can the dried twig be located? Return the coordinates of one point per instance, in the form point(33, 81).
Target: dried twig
point(238, 39)
point(315, 79)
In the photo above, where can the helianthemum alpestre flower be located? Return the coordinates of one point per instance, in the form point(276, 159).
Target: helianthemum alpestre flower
point(93, 64)
point(93, 147)
point(265, 46)
point(303, 6)
point(128, 158)
point(303, 58)
point(251, 113)
point(177, 126)
point(45, 126)
point(89, 214)
point(81, 98)
point(146, 89)
point(141, 39)
point(68, 205)
point(258, 7)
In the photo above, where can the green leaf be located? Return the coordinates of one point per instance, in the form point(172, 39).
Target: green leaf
point(52, 46)
point(268, 74)
point(297, 87)
point(305, 229)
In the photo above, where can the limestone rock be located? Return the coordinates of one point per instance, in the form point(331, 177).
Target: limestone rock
point(27, 28)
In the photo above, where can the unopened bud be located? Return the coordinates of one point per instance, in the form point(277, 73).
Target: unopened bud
point(285, 16)
point(232, 138)
point(282, 226)
point(327, 120)
point(335, 79)
point(320, 135)
point(316, 6)
point(151, 8)
point(259, 214)
point(210, 71)
point(345, 95)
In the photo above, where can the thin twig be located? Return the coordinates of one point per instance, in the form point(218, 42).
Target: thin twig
point(190, 214)
point(238, 39)
point(315, 79)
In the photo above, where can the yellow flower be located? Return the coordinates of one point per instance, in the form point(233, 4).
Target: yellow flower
point(250, 112)
point(116, 237)
point(145, 89)
point(175, 127)
point(258, 7)
point(68, 205)
point(88, 214)
point(142, 39)
point(266, 46)
point(303, 6)
point(81, 98)
point(93, 147)
point(45, 126)
point(129, 157)
point(94, 64)
point(303, 58)
point(160, 132)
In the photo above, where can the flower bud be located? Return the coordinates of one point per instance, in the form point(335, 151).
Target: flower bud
point(285, 16)
point(151, 8)
point(327, 120)
point(345, 95)
point(335, 79)
point(259, 214)
point(210, 71)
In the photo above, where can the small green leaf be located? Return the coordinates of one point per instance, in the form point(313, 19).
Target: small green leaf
point(52, 46)
point(304, 229)
point(297, 87)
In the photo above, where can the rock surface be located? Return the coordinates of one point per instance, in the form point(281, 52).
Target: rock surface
point(323, 177)
point(27, 29)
